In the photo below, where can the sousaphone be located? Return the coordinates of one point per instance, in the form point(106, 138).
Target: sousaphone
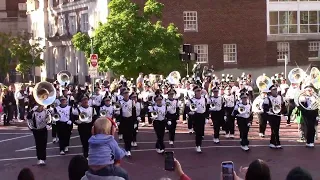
point(44, 93)
point(263, 82)
point(64, 78)
point(296, 75)
point(174, 77)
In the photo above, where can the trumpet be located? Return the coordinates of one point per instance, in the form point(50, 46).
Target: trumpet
point(276, 109)
point(84, 117)
point(56, 117)
point(193, 107)
point(154, 114)
point(117, 107)
point(103, 113)
point(241, 110)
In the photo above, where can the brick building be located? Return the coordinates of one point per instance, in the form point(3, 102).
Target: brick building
point(255, 36)
point(13, 19)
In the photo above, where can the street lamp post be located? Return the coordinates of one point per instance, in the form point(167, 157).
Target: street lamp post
point(91, 35)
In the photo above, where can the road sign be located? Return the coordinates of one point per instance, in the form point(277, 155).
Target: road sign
point(94, 60)
point(93, 72)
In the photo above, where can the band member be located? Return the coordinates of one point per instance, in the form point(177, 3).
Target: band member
point(172, 115)
point(230, 102)
point(127, 116)
point(293, 89)
point(262, 117)
point(157, 113)
point(244, 116)
point(310, 114)
point(54, 131)
point(84, 123)
point(63, 124)
point(38, 122)
point(273, 106)
point(96, 100)
point(197, 109)
point(139, 113)
point(107, 108)
point(217, 113)
point(146, 97)
point(116, 98)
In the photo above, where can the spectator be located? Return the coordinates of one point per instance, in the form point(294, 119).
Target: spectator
point(25, 174)
point(299, 174)
point(104, 153)
point(77, 167)
point(180, 172)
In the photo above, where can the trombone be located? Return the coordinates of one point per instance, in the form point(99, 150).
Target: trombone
point(242, 110)
point(193, 107)
point(84, 117)
point(117, 107)
point(56, 117)
point(103, 113)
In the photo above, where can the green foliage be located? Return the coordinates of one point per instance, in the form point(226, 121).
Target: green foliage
point(132, 41)
point(16, 48)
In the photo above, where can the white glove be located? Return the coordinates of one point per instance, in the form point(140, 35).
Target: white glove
point(69, 122)
point(249, 124)
point(71, 98)
point(207, 120)
point(48, 127)
point(135, 126)
point(117, 112)
point(317, 118)
point(211, 109)
point(286, 117)
point(191, 113)
point(118, 123)
point(78, 121)
point(169, 123)
point(138, 118)
point(225, 118)
point(35, 108)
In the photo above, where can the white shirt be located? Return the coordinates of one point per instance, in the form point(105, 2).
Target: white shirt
point(200, 103)
point(108, 109)
point(64, 113)
point(41, 118)
point(283, 88)
point(96, 100)
point(291, 92)
point(161, 110)
point(229, 100)
point(89, 111)
point(274, 100)
point(247, 108)
point(139, 107)
point(126, 107)
point(218, 102)
point(172, 109)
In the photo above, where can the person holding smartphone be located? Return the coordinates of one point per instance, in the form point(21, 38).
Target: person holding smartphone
point(243, 112)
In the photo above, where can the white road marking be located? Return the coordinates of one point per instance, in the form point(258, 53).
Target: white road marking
point(150, 142)
point(33, 147)
point(10, 139)
point(145, 150)
point(13, 133)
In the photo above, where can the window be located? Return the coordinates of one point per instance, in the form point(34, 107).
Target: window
point(309, 22)
point(314, 50)
point(190, 20)
point(61, 25)
point(202, 53)
point(283, 49)
point(283, 22)
point(84, 22)
point(230, 53)
point(72, 24)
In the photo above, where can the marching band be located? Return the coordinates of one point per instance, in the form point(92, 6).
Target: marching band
point(158, 102)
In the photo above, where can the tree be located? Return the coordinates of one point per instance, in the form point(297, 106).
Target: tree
point(134, 40)
point(16, 50)
point(27, 54)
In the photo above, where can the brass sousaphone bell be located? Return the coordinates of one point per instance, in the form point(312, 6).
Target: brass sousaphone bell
point(263, 82)
point(64, 77)
point(296, 75)
point(174, 77)
point(44, 93)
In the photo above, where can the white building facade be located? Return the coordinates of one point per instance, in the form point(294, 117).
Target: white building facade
point(55, 22)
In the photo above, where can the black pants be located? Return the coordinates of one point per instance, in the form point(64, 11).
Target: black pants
point(274, 122)
point(41, 137)
point(218, 121)
point(159, 128)
point(22, 109)
point(64, 134)
point(310, 123)
point(198, 125)
point(230, 121)
point(127, 125)
point(120, 130)
point(244, 130)
point(190, 122)
point(9, 113)
point(54, 130)
point(84, 130)
point(291, 106)
point(262, 117)
point(172, 128)
point(135, 129)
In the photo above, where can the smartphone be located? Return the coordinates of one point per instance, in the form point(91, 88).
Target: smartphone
point(227, 170)
point(169, 161)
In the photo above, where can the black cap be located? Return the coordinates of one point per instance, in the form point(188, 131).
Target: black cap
point(197, 88)
point(243, 95)
point(107, 98)
point(272, 87)
point(133, 94)
point(172, 91)
point(215, 89)
point(158, 97)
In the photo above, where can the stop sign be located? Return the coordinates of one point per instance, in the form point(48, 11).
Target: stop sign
point(94, 60)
